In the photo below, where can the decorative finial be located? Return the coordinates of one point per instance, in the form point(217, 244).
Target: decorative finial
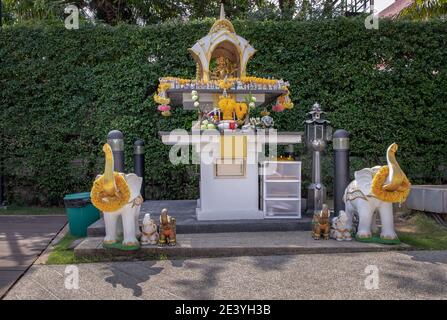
point(222, 11)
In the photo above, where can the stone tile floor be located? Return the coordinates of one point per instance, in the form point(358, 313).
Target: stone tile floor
point(22, 239)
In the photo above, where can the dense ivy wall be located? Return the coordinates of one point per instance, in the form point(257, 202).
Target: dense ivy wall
point(61, 91)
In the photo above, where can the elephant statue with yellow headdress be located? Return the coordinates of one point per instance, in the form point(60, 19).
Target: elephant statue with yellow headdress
point(375, 190)
point(117, 195)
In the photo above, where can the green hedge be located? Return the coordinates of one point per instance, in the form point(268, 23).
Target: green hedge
point(61, 91)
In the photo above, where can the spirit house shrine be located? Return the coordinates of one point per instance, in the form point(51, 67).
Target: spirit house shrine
point(237, 180)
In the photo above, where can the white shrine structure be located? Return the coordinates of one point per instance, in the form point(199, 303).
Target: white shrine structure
point(235, 179)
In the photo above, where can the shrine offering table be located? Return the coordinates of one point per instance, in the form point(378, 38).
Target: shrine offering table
point(229, 169)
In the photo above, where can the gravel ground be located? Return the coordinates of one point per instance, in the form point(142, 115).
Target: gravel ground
point(401, 275)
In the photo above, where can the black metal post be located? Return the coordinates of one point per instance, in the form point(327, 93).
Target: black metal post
point(2, 197)
point(115, 139)
point(1, 13)
point(341, 168)
point(138, 162)
point(2, 183)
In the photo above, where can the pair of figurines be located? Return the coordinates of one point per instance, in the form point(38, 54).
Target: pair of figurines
point(339, 230)
point(165, 234)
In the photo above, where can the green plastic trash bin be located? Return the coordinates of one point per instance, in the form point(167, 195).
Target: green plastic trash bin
point(81, 213)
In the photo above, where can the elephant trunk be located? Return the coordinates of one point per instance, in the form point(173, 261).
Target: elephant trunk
point(396, 180)
point(109, 179)
point(390, 184)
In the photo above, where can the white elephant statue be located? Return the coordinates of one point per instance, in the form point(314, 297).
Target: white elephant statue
point(375, 190)
point(117, 195)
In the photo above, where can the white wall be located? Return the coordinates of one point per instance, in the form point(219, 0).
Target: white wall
point(380, 5)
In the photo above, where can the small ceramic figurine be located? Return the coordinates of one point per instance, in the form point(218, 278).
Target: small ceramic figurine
point(340, 227)
point(267, 121)
point(150, 234)
point(320, 224)
point(167, 229)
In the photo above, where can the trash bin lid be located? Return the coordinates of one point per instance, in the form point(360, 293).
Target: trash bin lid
point(77, 196)
point(77, 200)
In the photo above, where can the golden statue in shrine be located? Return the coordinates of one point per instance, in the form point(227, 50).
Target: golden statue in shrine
point(221, 53)
point(224, 68)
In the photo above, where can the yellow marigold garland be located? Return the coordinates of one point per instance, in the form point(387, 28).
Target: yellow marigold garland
point(161, 100)
point(225, 84)
point(387, 196)
point(257, 80)
point(227, 106)
point(241, 110)
point(247, 79)
point(105, 202)
point(162, 87)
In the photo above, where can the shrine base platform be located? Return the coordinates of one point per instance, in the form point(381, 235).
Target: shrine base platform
point(230, 245)
point(185, 213)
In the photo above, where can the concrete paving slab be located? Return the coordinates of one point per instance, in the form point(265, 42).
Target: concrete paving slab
point(401, 275)
point(22, 240)
point(7, 279)
point(232, 244)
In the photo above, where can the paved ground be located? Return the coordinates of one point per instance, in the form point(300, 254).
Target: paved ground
point(213, 245)
point(22, 239)
point(402, 275)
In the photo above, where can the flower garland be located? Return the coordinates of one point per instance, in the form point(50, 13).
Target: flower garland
point(283, 102)
point(225, 84)
point(229, 106)
point(245, 80)
point(195, 97)
point(256, 80)
point(388, 196)
point(240, 110)
point(162, 100)
point(105, 202)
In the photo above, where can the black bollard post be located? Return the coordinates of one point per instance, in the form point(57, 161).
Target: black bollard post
point(138, 162)
point(2, 186)
point(341, 168)
point(2, 199)
point(115, 139)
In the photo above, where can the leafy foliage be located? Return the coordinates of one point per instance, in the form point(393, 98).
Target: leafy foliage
point(62, 91)
point(425, 9)
point(143, 12)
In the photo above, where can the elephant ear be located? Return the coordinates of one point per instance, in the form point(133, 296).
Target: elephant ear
point(134, 183)
point(364, 180)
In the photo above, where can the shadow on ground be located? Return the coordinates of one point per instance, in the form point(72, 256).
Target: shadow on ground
point(128, 278)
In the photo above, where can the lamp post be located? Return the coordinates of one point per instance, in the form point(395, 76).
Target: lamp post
point(318, 133)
